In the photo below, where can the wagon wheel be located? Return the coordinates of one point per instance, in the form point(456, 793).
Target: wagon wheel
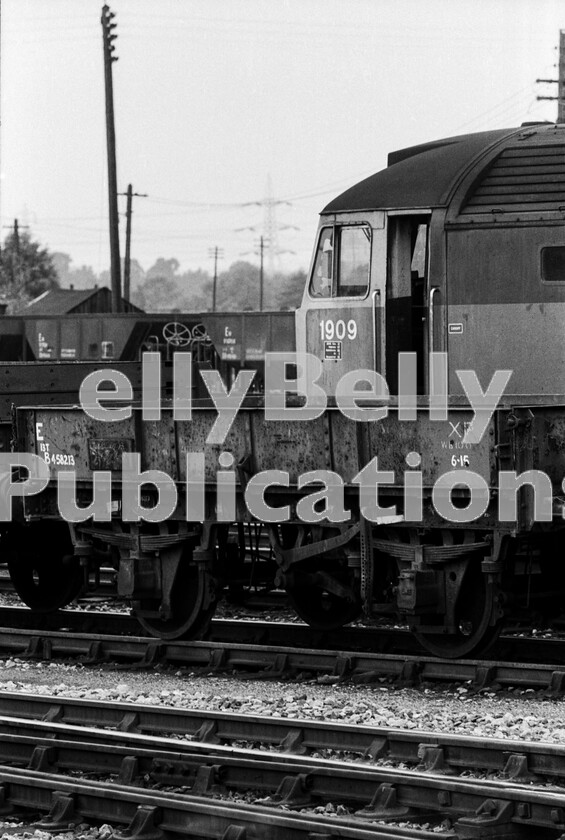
point(323, 590)
point(476, 609)
point(476, 629)
point(315, 593)
point(42, 568)
point(193, 603)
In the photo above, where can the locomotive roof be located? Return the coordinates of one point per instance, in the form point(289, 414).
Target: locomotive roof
point(421, 176)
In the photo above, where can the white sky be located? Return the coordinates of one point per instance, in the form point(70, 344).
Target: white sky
point(213, 97)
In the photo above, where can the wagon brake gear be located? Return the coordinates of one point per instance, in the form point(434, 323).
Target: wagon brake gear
point(321, 584)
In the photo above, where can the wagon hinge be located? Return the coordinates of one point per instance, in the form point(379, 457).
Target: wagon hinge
point(519, 417)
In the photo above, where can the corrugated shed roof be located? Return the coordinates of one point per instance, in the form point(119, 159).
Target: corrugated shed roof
point(58, 301)
point(68, 301)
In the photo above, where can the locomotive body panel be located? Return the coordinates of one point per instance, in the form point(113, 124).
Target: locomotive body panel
point(504, 295)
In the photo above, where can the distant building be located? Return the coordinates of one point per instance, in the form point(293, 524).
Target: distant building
point(75, 302)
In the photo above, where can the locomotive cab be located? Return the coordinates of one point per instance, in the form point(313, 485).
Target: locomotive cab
point(369, 296)
point(457, 247)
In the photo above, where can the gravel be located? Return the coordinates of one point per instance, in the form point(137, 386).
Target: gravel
point(521, 715)
point(11, 828)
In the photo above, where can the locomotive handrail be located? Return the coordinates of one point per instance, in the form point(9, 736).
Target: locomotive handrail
point(433, 291)
point(376, 335)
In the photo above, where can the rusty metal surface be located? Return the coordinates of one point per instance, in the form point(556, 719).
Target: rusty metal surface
point(439, 442)
point(297, 446)
point(65, 433)
point(190, 437)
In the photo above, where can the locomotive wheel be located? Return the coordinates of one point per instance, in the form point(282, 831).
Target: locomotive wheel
point(42, 568)
point(473, 612)
point(192, 604)
point(310, 593)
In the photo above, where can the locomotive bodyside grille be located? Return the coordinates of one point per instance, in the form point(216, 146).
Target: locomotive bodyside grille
point(521, 179)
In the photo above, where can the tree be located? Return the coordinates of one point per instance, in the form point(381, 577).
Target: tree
point(196, 288)
point(164, 268)
point(159, 294)
point(237, 288)
point(26, 269)
point(136, 273)
point(290, 289)
point(159, 291)
point(82, 278)
point(62, 263)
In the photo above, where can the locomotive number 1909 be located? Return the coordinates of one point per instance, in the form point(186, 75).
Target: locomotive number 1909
point(338, 329)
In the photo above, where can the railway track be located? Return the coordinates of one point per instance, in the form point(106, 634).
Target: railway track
point(384, 639)
point(368, 795)
point(280, 662)
point(252, 631)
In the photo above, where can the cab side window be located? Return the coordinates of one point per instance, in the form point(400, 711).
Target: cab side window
point(321, 282)
point(354, 261)
point(343, 258)
point(553, 264)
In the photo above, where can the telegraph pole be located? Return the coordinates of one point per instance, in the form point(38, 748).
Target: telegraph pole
point(560, 81)
point(107, 39)
point(127, 260)
point(216, 253)
point(16, 264)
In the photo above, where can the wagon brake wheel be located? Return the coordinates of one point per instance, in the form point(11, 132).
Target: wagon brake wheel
point(199, 332)
point(177, 334)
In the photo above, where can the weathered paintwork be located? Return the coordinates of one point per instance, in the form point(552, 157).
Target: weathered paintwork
point(69, 438)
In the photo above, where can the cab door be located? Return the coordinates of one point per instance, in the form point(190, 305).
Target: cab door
point(407, 295)
point(338, 320)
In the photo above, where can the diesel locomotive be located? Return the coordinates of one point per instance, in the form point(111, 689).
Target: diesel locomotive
point(429, 484)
